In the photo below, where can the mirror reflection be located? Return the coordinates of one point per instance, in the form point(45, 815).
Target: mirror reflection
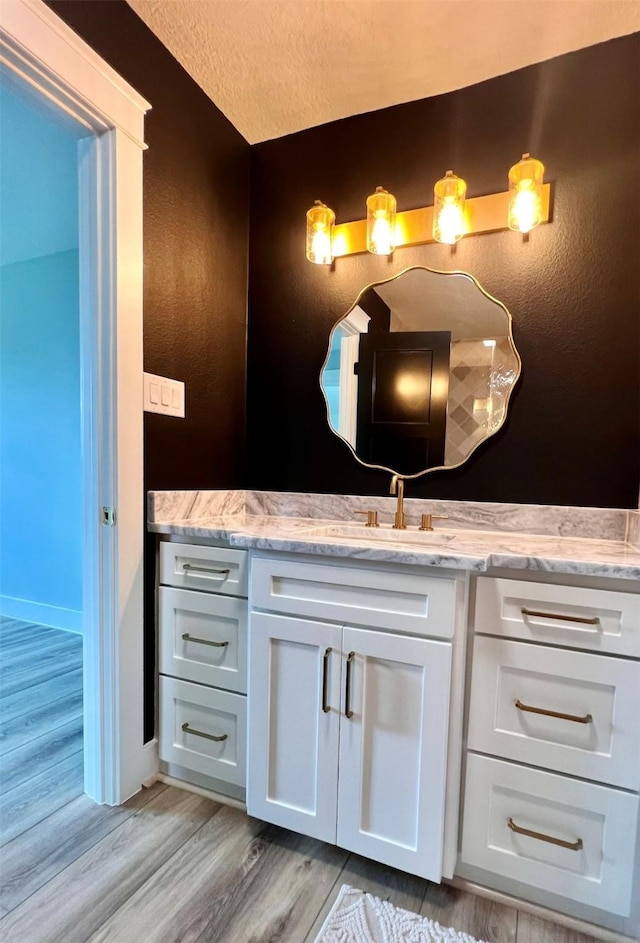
point(419, 371)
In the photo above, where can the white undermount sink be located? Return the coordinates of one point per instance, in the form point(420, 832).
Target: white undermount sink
point(385, 534)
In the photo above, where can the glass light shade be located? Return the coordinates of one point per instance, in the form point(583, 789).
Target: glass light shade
point(525, 194)
point(448, 208)
point(320, 222)
point(381, 222)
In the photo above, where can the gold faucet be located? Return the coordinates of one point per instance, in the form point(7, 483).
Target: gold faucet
point(397, 486)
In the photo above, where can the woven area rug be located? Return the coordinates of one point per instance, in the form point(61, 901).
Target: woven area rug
point(357, 917)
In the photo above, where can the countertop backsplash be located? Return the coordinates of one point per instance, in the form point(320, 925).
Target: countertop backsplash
point(544, 520)
point(633, 529)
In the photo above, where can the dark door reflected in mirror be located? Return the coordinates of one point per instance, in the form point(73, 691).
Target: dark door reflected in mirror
point(403, 382)
point(419, 371)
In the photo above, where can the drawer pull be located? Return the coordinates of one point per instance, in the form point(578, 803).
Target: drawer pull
point(200, 733)
point(203, 641)
point(586, 719)
point(347, 690)
point(571, 845)
point(190, 568)
point(594, 620)
point(325, 660)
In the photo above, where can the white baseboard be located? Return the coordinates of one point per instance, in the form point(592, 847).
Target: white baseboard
point(150, 762)
point(55, 616)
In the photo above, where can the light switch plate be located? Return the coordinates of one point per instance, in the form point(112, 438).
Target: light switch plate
point(163, 395)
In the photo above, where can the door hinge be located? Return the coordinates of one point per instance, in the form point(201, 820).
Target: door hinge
point(109, 516)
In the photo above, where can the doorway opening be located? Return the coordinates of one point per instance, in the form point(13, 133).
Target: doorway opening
point(46, 63)
point(41, 479)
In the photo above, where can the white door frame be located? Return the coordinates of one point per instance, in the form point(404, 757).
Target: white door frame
point(351, 327)
point(39, 49)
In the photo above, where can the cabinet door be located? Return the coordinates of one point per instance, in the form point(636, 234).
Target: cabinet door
point(393, 750)
point(293, 742)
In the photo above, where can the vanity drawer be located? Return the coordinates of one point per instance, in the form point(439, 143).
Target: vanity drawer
point(203, 638)
point(384, 599)
point(571, 616)
point(208, 713)
point(214, 569)
point(596, 823)
point(598, 739)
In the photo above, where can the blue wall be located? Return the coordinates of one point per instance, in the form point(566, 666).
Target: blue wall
point(40, 440)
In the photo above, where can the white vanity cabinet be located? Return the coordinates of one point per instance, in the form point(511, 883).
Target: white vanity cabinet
point(553, 768)
point(202, 629)
point(348, 721)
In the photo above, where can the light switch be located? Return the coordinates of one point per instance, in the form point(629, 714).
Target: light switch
point(163, 395)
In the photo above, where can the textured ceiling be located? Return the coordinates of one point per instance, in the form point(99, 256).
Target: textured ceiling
point(278, 66)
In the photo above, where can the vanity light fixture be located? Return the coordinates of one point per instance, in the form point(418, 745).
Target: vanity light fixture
point(320, 223)
point(448, 209)
point(526, 194)
point(381, 222)
point(524, 205)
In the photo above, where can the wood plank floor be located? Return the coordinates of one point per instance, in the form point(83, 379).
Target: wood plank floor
point(168, 866)
point(173, 867)
point(41, 757)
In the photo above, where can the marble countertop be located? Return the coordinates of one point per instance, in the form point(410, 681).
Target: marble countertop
point(454, 547)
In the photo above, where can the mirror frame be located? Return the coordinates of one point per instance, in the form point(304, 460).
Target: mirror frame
point(384, 281)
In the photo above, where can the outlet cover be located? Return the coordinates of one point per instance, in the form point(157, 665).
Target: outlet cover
point(163, 395)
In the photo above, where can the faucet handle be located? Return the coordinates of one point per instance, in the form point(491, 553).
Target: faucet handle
point(372, 518)
point(428, 519)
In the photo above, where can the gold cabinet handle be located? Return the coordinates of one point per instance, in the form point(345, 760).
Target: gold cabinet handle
point(571, 845)
point(202, 641)
point(200, 733)
point(577, 719)
point(190, 568)
point(347, 690)
point(562, 618)
point(325, 660)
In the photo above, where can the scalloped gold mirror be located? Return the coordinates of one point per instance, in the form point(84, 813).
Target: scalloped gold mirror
point(419, 371)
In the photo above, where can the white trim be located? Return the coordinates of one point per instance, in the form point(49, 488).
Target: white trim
point(150, 763)
point(355, 324)
point(128, 535)
point(39, 46)
point(39, 49)
point(89, 173)
point(41, 613)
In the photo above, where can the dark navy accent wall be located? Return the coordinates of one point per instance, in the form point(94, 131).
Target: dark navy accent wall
point(571, 437)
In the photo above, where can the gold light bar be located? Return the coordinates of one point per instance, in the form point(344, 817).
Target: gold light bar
point(414, 227)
